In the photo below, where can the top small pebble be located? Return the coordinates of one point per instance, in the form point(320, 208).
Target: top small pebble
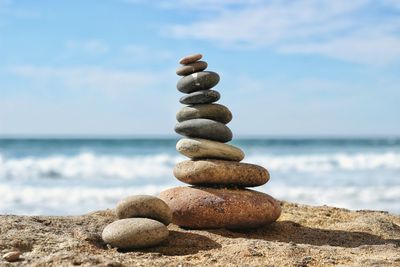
point(190, 59)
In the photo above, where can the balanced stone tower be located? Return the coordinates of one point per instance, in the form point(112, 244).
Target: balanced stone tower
point(217, 197)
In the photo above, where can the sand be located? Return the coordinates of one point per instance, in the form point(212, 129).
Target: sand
point(303, 236)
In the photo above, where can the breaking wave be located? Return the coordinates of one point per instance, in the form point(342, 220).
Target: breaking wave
point(93, 166)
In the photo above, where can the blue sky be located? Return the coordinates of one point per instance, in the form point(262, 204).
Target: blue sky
point(288, 68)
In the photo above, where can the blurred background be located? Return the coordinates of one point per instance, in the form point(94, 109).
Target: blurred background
point(88, 97)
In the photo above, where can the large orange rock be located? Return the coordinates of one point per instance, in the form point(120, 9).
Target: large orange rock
point(205, 208)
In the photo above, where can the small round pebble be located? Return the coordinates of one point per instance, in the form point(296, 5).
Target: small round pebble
point(135, 233)
point(144, 206)
point(190, 58)
point(12, 256)
point(200, 97)
point(191, 68)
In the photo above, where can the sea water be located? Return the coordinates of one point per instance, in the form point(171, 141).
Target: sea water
point(76, 176)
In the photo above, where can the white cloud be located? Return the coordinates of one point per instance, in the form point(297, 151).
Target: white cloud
point(141, 52)
point(357, 31)
point(88, 78)
point(208, 5)
point(94, 47)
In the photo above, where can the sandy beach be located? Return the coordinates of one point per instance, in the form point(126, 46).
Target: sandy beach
point(303, 236)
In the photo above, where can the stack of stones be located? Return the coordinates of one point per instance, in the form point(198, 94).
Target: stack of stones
point(142, 222)
point(217, 197)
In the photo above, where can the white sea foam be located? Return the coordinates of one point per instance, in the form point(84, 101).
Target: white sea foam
point(88, 165)
point(85, 182)
point(365, 197)
point(71, 200)
point(329, 162)
point(57, 200)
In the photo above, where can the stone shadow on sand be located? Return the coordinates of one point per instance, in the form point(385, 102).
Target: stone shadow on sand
point(288, 231)
point(181, 243)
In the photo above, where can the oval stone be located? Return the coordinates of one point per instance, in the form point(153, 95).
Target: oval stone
point(214, 112)
point(190, 58)
point(198, 81)
point(135, 233)
point(144, 206)
point(205, 208)
point(200, 97)
point(220, 172)
point(204, 128)
point(12, 256)
point(202, 149)
point(191, 68)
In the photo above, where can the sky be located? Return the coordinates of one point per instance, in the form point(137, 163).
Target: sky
point(287, 68)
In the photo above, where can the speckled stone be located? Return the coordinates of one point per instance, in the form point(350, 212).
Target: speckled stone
point(197, 148)
point(190, 58)
point(191, 68)
point(205, 208)
point(220, 172)
point(144, 206)
point(200, 97)
point(204, 128)
point(12, 256)
point(214, 112)
point(135, 233)
point(198, 81)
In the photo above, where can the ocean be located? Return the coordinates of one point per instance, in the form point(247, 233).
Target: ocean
point(76, 176)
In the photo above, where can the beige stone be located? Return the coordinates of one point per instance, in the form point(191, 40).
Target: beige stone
point(197, 148)
point(135, 233)
point(144, 206)
point(190, 58)
point(220, 172)
point(191, 68)
point(205, 208)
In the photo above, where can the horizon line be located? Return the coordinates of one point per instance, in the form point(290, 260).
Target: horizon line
point(172, 136)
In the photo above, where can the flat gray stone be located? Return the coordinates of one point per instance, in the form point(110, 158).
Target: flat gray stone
point(135, 233)
point(204, 128)
point(198, 81)
point(190, 58)
point(214, 112)
point(191, 68)
point(196, 148)
point(144, 206)
point(200, 97)
point(220, 172)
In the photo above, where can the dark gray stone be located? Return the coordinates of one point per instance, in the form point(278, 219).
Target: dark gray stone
point(214, 112)
point(204, 128)
point(200, 97)
point(191, 68)
point(198, 81)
